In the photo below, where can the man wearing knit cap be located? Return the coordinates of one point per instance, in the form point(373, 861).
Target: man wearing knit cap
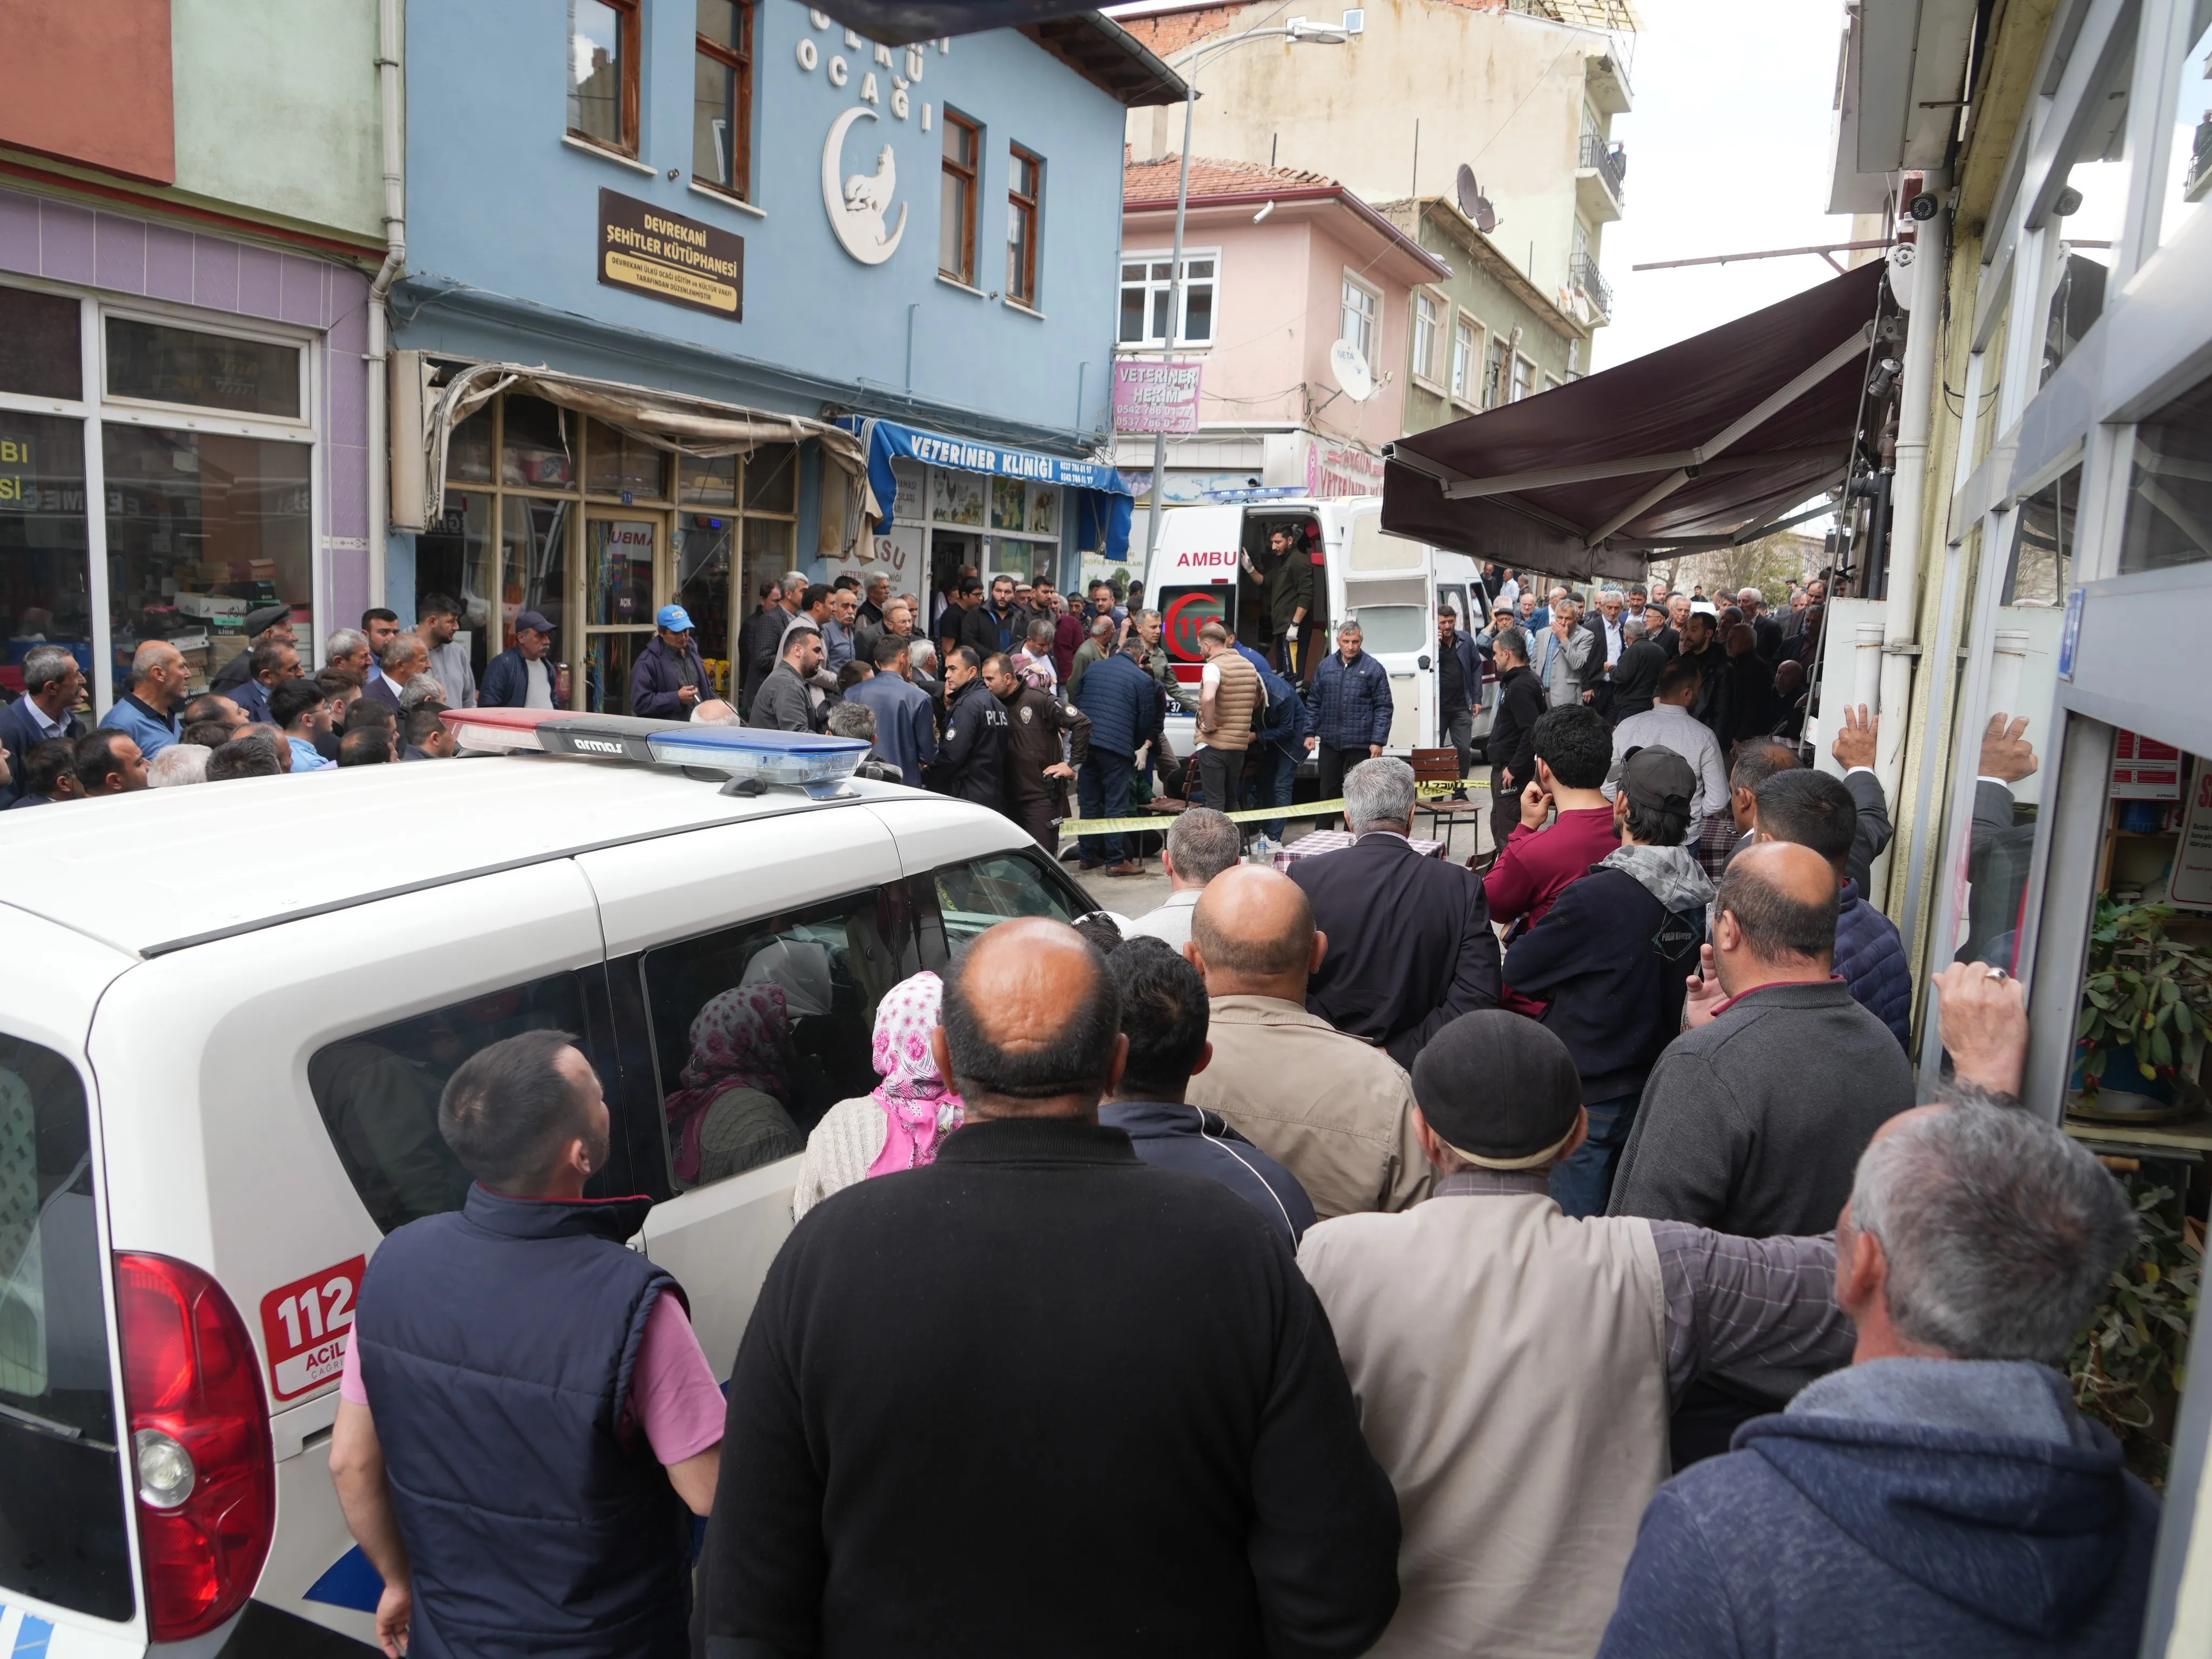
point(1521, 1468)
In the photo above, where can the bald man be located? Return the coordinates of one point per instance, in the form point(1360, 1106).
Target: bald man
point(1123, 1361)
point(1754, 1117)
point(1337, 1112)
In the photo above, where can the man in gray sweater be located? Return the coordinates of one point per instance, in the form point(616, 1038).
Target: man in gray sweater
point(1754, 1118)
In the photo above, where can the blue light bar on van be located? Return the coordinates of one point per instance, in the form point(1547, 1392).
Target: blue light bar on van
point(1271, 493)
point(783, 760)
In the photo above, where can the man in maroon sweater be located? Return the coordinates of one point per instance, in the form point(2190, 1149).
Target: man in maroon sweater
point(1574, 752)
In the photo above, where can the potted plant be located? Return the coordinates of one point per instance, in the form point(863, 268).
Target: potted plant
point(2144, 1005)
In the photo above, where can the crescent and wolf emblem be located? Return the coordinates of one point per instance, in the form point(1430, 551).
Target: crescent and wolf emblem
point(857, 205)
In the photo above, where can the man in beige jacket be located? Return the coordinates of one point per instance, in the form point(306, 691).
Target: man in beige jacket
point(1514, 1367)
point(1335, 1111)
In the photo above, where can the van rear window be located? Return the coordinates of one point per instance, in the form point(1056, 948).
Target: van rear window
point(63, 1534)
point(378, 1093)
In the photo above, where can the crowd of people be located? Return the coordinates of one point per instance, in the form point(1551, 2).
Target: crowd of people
point(1144, 1307)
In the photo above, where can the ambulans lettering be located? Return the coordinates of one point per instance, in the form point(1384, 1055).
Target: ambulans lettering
point(1206, 559)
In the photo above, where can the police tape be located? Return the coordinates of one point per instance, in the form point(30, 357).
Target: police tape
point(1162, 822)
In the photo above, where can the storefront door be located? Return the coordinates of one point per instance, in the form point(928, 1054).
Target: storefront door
point(622, 581)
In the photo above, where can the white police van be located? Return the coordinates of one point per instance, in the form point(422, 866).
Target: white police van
point(226, 1016)
point(1201, 571)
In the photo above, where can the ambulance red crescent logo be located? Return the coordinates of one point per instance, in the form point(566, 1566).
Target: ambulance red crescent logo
point(1186, 614)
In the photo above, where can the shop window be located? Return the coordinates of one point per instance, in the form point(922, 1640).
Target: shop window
point(956, 245)
point(618, 559)
point(61, 1505)
point(468, 450)
point(1467, 348)
point(707, 481)
point(378, 1093)
point(166, 365)
point(1428, 333)
point(201, 528)
point(620, 464)
point(758, 1030)
point(2169, 511)
point(536, 448)
point(45, 564)
point(721, 98)
point(2043, 553)
point(1147, 290)
point(772, 480)
point(533, 555)
point(40, 351)
point(609, 661)
point(1024, 202)
point(706, 547)
point(602, 65)
point(1359, 318)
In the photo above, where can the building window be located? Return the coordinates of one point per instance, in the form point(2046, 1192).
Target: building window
point(1493, 375)
point(1146, 286)
point(602, 54)
point(1524, 378)
point(1428, 335)
point(1466, 341)
point(956, 235)
point(722, 97)
point(1362, 309)
point(1025, 196)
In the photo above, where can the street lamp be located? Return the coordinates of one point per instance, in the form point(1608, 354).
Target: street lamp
point(1299, 31)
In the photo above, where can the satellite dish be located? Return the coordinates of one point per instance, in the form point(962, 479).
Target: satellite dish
point(1474, 203)
point(1351, 371)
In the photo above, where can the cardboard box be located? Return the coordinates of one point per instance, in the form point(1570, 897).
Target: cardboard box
point(217, 608)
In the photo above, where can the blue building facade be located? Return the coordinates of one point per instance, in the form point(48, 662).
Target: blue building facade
point(745, 252)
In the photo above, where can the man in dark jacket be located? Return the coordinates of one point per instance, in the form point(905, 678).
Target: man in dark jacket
point(1459, 686)
point(784, 703)
point(670, 677)
point(1941, 1495)
point(1288, 579)
point(1164, 1016)
point(1410, 945)
point(1636, 676)
point(762, 640)
point(265, 625)
point(1350, 699)
point(1122, 1359)
point(1512, 748)
point(521, 677)
point(971, 762)
point(1611, 956)
point(1754, 1116)
point(1037, 773)
point(1124, 706)
point(525, 1424)
point(52, 683)
point(1816, 811)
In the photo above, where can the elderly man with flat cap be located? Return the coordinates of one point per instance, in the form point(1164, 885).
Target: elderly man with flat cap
point(1523, 1465)
point(1038, 1396)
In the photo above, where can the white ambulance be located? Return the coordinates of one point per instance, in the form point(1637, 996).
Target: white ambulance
point(226, 1013)
point(1203, 567)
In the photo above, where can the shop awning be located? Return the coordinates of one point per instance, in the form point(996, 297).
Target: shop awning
point(1103, 500)
point(1695, 446)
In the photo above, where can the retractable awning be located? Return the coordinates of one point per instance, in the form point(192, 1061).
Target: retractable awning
point(1102, 501)
point(1695, 446)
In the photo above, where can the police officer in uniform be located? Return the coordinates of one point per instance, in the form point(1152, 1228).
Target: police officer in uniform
point(971, 761)
point(1037, 773)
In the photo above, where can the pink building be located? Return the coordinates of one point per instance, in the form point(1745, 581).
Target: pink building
point(1278, 267)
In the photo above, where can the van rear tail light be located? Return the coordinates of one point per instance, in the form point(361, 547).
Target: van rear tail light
point(199, 1435)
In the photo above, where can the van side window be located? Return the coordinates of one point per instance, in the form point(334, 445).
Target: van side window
point(986, 891)
point(378, 1092)
point(760, 1029)
point(64, 1537)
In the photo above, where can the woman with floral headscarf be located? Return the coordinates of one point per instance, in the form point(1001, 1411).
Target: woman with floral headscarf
point(729, 1114)
point(901, 1124)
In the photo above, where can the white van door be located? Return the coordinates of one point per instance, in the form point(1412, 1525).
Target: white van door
point(1388, 585)
point(744, 963)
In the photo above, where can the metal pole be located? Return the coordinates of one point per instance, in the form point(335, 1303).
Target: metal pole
point(1174, 323)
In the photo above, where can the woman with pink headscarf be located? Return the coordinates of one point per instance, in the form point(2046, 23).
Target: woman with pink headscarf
point(901, 1125)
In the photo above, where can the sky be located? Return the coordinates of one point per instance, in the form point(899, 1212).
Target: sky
point(1727, 152)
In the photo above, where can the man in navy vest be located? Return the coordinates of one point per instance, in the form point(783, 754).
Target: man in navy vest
point(526, 1424)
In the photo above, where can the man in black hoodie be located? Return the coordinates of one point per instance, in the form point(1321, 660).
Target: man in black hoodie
point(1612, 955)
point(1512, 741)
point(1941, 1495)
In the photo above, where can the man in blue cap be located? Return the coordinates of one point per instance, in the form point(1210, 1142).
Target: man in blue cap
point(670, 677)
